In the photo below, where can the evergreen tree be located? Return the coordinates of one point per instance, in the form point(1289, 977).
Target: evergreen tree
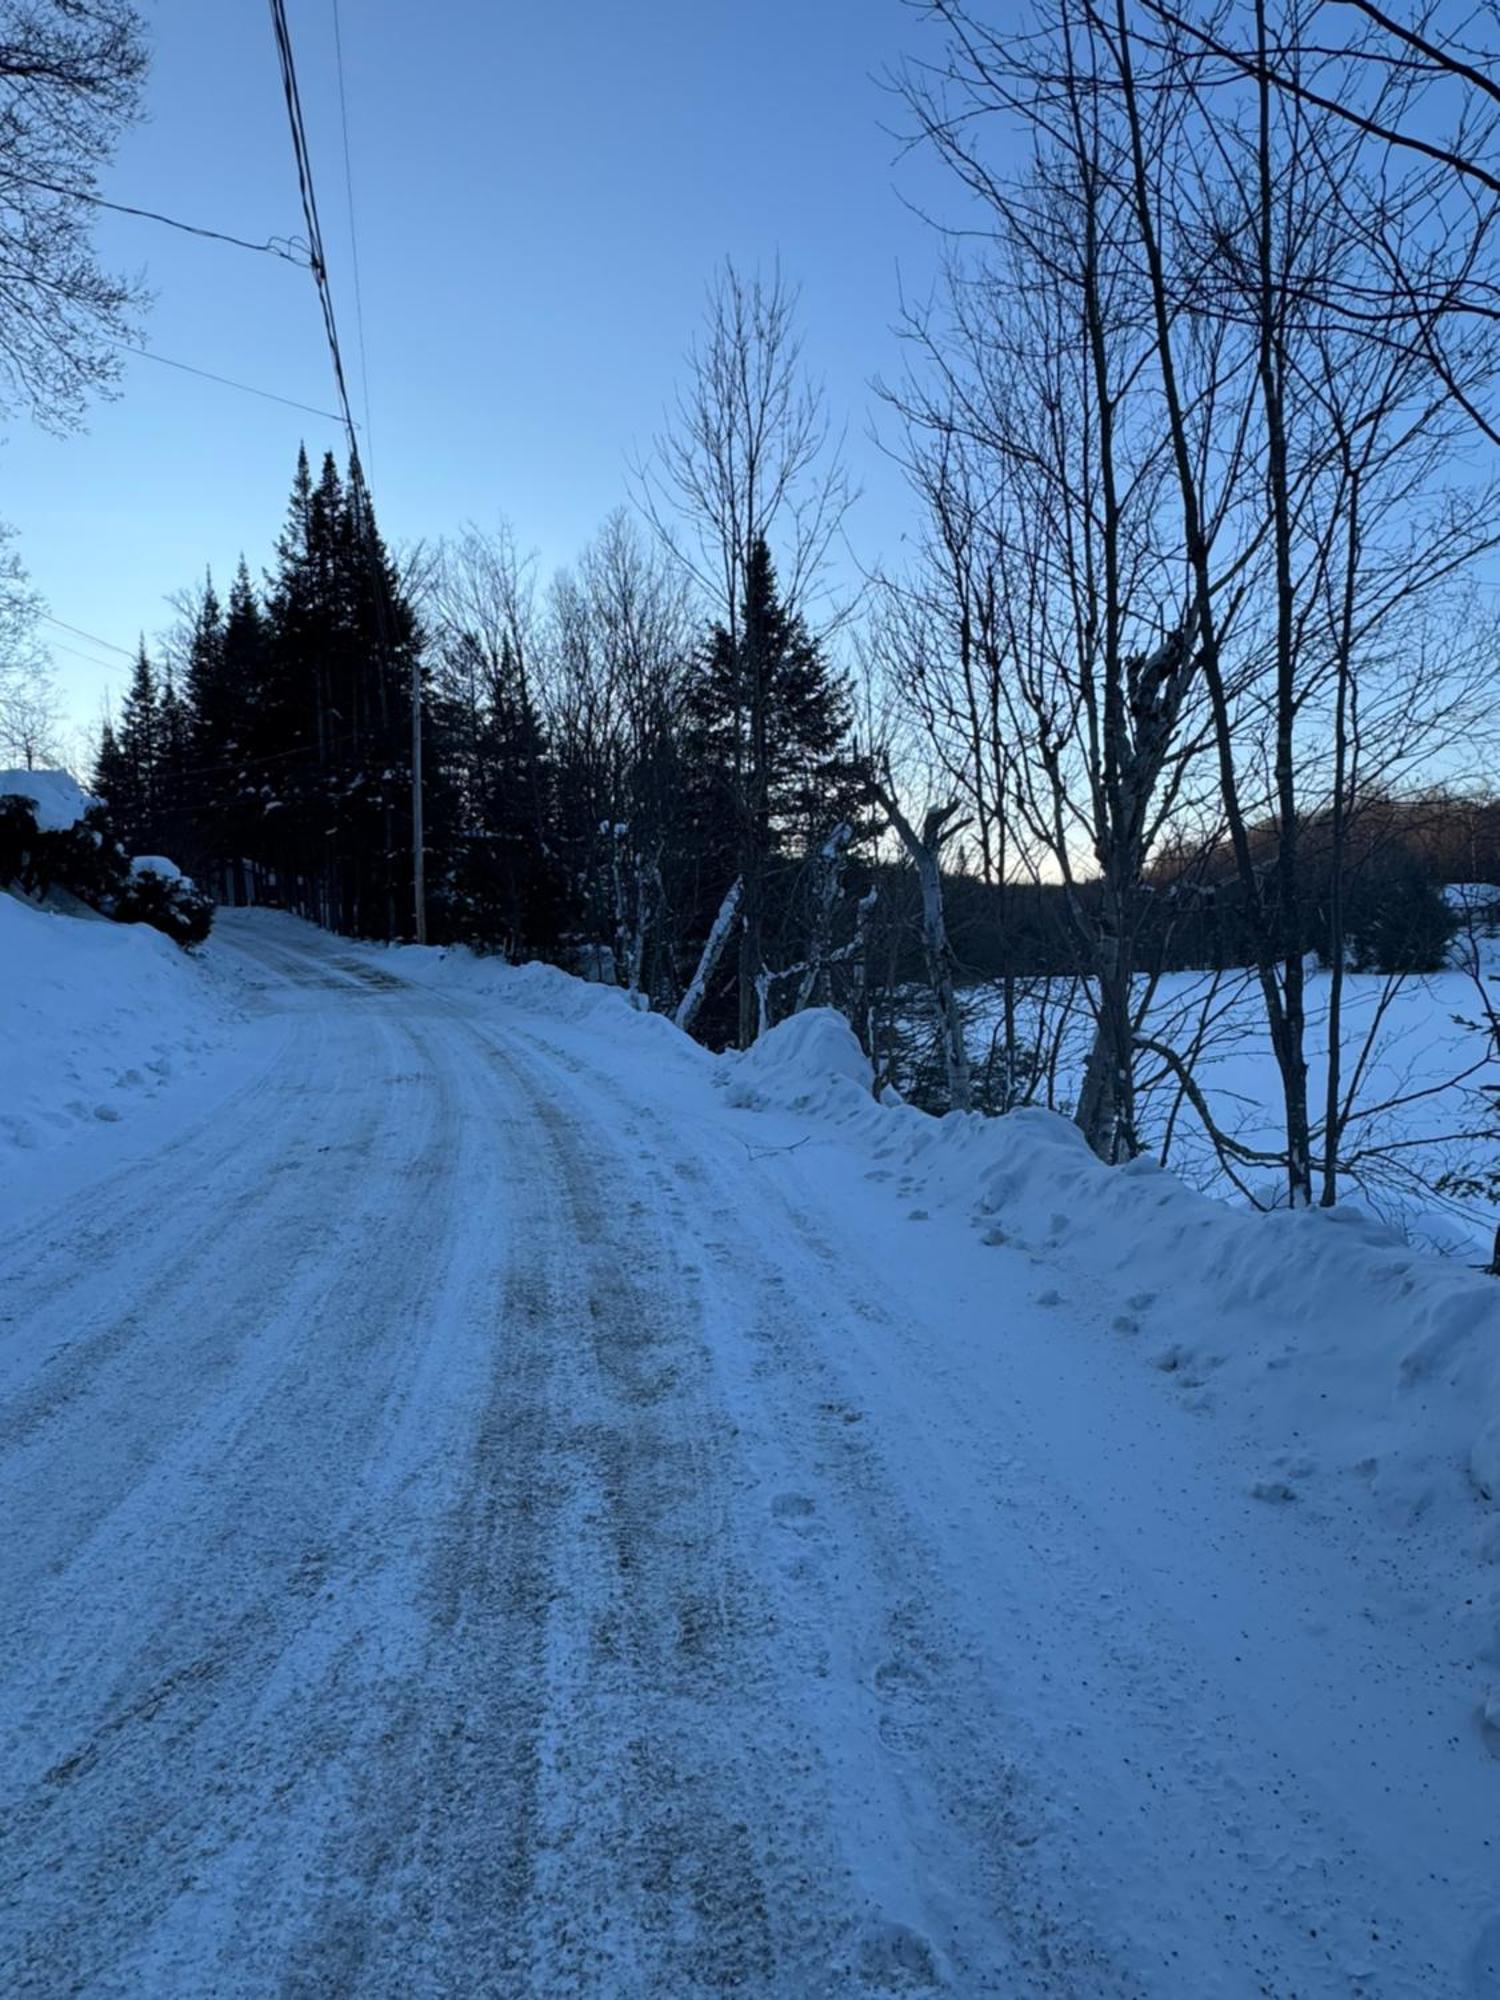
point(495, 779)
point(332, 724)
point(171, 823)
point(131, 790)
point(236, 672)
point(768, 714)
point(205, 690)
point(111, 781)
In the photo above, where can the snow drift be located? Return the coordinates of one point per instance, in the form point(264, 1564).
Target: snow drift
point(1322, 1319)
point(96, 1019)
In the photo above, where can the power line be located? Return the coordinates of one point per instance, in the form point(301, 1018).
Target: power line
point(290, 249)
point(101, 666)
point(359, 302)
point(92, 637)
point(317, 260)
point(360, 495)
point(228, 382)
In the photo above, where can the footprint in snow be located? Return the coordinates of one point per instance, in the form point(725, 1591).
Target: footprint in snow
point(1272, 1489)
point(895, 1959)
point(901, 1688)
point(792, 1509)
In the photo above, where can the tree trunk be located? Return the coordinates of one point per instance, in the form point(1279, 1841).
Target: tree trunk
point(713, 951)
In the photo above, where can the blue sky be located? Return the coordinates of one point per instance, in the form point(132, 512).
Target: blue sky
point(541, 190)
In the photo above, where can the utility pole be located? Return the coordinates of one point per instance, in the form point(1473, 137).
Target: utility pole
point(418, 858)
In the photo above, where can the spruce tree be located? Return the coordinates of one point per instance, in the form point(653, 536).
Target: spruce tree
point(236, 818)
point(112, 778)
point(768, 714)
point(292, 728)
point(133, 807)
point(171, 827)
point(507, 881)
point(203, 681)
point(333, 722)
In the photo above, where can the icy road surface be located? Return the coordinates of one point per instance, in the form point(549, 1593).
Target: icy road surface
point(475, 1523)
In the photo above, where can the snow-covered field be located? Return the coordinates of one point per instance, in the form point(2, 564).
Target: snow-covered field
point(1415, 1051)
point(504, 1502)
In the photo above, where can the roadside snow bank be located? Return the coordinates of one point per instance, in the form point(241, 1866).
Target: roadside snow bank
point(1364, 1371)
point(810, 1062)
point(95, 1019)
point(560, 998)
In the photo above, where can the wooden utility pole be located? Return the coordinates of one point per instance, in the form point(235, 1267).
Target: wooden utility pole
point(418, 858)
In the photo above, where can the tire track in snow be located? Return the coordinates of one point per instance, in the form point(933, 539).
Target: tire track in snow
point(586, 1568)
point(936, 1821)
point(166, 1680)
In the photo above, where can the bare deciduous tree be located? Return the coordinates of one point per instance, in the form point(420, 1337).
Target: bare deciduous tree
point(71, 73)
point(746, 460)
point(29, 719)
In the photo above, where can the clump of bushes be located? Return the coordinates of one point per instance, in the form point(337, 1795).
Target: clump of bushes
point(169, 903)
point(87, 861)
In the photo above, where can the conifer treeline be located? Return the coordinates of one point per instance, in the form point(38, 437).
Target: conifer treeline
point(599, 771)
point(279, 763)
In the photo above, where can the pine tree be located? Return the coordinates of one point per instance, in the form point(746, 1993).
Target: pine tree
point(506, 886)
point(112, 778)
point(291, 723)
point(204, 683)
point(171, 823)
point(333, 721)
point(133, 799)
point(234, 809)
point(768, 714)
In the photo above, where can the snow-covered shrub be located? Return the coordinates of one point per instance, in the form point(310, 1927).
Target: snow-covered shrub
point(18, 834)
point(54, 836)
point(168, 901)
point(81, 856)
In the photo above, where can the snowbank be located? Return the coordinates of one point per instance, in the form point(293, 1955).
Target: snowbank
point(561, 998)
point(95, 1019)
point(810, 1062)
point(1354, 1360)
point(58, 799)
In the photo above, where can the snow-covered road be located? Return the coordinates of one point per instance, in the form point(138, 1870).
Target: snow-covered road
point(475, 1524)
